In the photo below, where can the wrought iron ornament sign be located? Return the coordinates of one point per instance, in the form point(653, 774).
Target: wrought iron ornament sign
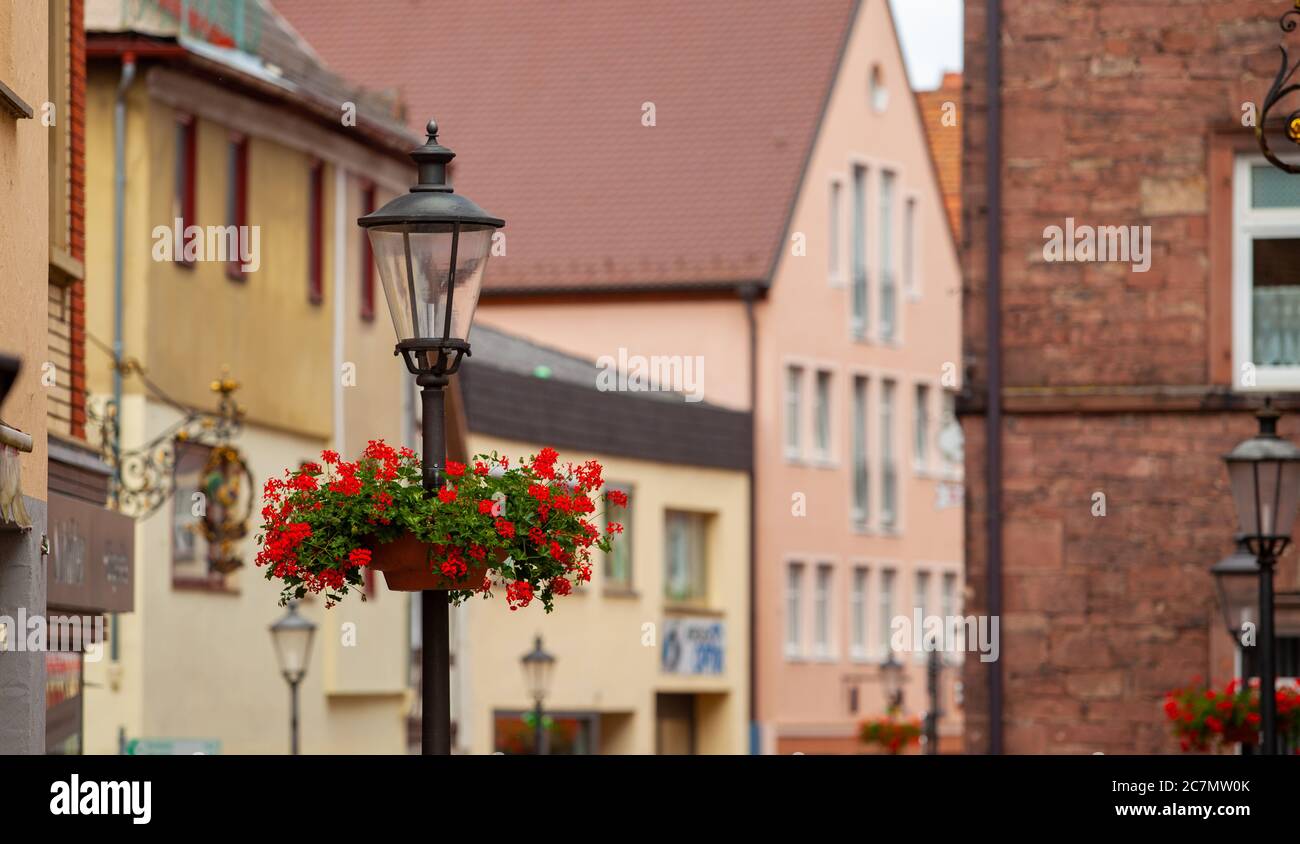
point(1283, 86)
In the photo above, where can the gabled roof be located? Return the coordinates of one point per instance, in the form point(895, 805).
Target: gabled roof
point(545, 103)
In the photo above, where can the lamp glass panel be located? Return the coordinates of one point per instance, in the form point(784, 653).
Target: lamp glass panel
point(1238, 600)
point(292, 646)
point(537, 676)
point(417, 300)
point(1265, 493)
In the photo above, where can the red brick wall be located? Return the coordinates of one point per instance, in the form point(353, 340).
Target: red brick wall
point(1108, 111)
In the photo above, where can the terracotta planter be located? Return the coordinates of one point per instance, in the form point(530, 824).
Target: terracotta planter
point(407, 567)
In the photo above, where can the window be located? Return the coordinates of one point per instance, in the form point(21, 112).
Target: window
point(1266, 290)
point(888, 290)
point(949, 608)
point(794, 610)
point(367, 260)
point(861, 510)
point(922, 427)
point(921, 598)
point(833, 232)
point(878, 92)
point(686, 572)
point(793, 411)
point(909, 248)
point(859, 316)
point(858, 613)
point(316, 233)
point(823, 416)
point(618, 562)
point(889, 474)
point(950, 436)
point(886, 598)
point(822, 611)
point(236, 204)
point(184, 178)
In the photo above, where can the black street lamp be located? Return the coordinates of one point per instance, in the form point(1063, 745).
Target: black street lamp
point(1236, 579)
point(1264, 472)
point(430, 246)
point(932, 717)
point(891, 679)
point(292, 637)
point(538, 666)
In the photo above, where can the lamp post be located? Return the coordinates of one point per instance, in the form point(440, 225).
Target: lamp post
point(538, 665)
point(932, 717)
point(430, 247)
point(891, 679)
point(292, 637)
point(1264, 472)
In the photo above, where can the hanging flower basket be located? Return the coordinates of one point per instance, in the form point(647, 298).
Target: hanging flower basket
point(409, 565)
point(1205, 719)
point(529, 528)
point(891, 733)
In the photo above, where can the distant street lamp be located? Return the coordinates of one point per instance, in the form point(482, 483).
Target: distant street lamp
point(538, 666)
point(1264, 472)
point(430, 246)
point(933, 666)
point(891, 679)
point(292, 637)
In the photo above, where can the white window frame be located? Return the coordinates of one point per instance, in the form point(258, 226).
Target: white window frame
point(886, 606)
point(922, 445)
point(823, 452)
point(835, 229)
point(887, 253)
point(793, 427)
point(887, 402)
point(922, 585)
point(794, 608)
point(860, 614)
point(912, 252)
point(860, 328)
point(823, 615)
point(860, 517)
point(1250, 224)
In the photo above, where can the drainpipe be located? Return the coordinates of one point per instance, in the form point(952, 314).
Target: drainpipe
point(993, 340)
point(119, 244)
point(748, 293)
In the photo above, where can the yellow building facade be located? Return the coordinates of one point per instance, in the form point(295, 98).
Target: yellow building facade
point(652, 655)
point(210, 141)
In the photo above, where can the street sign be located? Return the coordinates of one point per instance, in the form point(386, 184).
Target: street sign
point(173, 747)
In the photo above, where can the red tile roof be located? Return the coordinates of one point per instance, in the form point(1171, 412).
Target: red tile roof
point(945, 141)
point(543, 102)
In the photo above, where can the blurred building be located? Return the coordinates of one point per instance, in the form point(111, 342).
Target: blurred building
point(228, 122)
point(652, 655)
point(65, 560)
point(738, 196)
point(25, 255)
point(1098, 499)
